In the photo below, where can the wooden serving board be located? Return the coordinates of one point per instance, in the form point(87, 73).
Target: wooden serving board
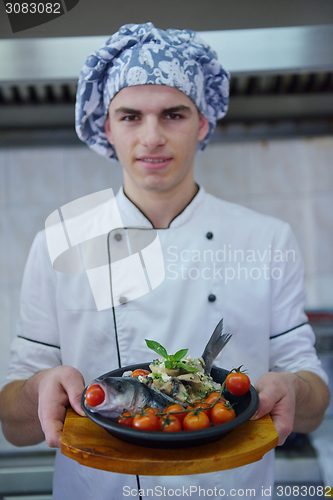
point(91, 445)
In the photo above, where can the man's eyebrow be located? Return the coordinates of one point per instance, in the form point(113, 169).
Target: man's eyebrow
point(132, 111)
point(176, 109)
point(128, 111)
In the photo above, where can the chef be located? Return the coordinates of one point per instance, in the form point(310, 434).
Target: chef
point(151, 99)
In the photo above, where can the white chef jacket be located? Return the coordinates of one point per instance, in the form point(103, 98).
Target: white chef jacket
point(221, 261)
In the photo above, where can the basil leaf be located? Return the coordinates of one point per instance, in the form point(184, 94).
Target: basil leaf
point(168, 363)
point(179, 364)
point(155, 346)
point(179, 355)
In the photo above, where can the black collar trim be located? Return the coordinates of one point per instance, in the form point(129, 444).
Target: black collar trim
point(159, 228)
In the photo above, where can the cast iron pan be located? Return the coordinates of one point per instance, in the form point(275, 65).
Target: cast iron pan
point(245, 407)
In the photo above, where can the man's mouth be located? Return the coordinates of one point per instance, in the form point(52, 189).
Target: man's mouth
point(153, 163)
point(153, 160)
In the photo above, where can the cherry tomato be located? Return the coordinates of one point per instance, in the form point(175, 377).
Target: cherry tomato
point(213, 396)
point(221, 414)
point(171, 424)
point(202, 404)
point(153, 412)
point(143, 422)
point(140, 372)
point(194, 422)
point(126, 419)
point(147, 420)
point(95, 395)
point(174, 409)
point(237, 383)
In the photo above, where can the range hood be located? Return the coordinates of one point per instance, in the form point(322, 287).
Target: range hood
point(281, 79)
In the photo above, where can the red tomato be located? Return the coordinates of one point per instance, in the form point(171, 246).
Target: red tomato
point(147, 420)
point(237, 383)
point(143, 422)
point(153, 412)
point(140, 372)
point(213, 396)
point(176, 410)
point(221, 414)
point(171, 424)
point(202, 404)
point(194, 422)
point(94, 395)
point(126, 419)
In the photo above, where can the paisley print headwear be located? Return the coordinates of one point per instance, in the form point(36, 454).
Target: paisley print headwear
point(141, 54)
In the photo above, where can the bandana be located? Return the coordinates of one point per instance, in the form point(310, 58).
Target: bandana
point(140, 54)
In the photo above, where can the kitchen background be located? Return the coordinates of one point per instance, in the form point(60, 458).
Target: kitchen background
point(273, 153)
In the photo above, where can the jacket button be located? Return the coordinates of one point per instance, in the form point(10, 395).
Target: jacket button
point(122, 300)
point(117, 236)
point(209, 235)
point(211, 297)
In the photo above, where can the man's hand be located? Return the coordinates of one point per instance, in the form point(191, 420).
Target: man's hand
point(58, 388)
point(296, 402)
point(33, 410)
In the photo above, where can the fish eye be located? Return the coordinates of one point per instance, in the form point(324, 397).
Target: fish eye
point(120, 386)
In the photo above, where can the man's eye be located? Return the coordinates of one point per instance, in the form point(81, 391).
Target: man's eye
point(130, 118)
point(173, 116)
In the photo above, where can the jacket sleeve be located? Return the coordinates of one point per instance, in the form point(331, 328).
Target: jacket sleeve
point(36, 346)
point(291, 337)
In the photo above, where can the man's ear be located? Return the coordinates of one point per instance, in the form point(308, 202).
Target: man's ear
point(203, 127)
point(107, 129)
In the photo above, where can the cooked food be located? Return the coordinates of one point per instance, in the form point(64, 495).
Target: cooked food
point(173, 378)
point(184, 383)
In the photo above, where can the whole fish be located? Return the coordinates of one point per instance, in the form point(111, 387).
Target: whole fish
point(114, 394)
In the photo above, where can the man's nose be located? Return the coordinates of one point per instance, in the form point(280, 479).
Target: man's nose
point(152, 134)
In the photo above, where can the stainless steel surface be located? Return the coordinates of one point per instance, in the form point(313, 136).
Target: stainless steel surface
point(278, 75)
point(89, 18)
point(270, 50)
point(29, 497)
point(26, 474)
point(274, 50)
point(301, 470)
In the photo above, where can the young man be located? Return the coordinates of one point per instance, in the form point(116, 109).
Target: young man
point(151, 99)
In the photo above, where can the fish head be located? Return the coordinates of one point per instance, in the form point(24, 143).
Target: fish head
point(109, 396)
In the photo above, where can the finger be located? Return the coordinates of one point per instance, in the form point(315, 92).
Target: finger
point(74, 389)
point(52, 416)
point(60, 388)
point(266, 405)
point(283, 418)
point(75, 402)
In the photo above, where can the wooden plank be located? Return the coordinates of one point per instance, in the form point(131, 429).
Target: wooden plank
point(91, 445)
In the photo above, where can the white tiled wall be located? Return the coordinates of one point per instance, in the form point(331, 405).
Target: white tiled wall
point(290, 179)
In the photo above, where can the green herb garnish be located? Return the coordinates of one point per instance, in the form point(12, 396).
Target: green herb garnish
point(171, 360)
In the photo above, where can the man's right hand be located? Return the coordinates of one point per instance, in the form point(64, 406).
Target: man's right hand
point(34, 409)
point(58, 388)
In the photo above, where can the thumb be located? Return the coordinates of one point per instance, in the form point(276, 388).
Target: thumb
point(75, 387)
point(75, 402)
point(265, 406)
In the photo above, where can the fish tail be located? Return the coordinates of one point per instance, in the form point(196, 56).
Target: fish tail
point(215, 345)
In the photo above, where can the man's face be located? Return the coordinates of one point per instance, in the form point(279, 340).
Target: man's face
point(155, 130)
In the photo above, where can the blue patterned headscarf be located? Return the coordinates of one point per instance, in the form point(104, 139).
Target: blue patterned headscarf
point(141, 54)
